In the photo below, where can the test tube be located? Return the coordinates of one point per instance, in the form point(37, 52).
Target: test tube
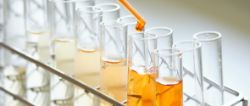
point(192, 62)
point(1, 39)
point(84, 3)
point(37, 44)
point(88, 48)
point(62, 30)
point(169, 84)
point(128, 24)
point(114, 61)
point(14, 20)
point(87, 60)
point(165, 36)
point(114, 56)
point(36, 24)
point(14, 35)
point(110, 12)
point(141, 78)
point(1, 21)
point(212, 65)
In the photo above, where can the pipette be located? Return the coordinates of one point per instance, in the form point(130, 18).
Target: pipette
point(140, 21)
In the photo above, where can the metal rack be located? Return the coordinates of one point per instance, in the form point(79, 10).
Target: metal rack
point(238, 98)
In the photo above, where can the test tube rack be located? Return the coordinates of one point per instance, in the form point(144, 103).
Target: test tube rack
point(238, 99)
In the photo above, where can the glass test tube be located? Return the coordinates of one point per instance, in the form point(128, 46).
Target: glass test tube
point(14, 35)
point(1, 37)
point(88, 49)
point(192, 62)
point(141, 79)
point(110, 12)
point(38, 46)
point(114, 60)
point(128, 24)
point(1, 20)
point(37, 26)
point(62, 31)
point(169, 84)
point(87, 60)
point(111, 62)
point(84, 3)
point(164, 34)
point(14, 24)
point(212, 65)
point(114, 56)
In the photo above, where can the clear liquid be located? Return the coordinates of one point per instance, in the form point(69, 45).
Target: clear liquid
point(114, 79)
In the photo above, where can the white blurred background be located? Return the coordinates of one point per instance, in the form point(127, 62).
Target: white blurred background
point(186, 17)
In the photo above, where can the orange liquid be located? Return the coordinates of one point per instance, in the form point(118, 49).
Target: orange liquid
point(114, 79)
point(169, 94)
point(141, 89)
point(140, 21)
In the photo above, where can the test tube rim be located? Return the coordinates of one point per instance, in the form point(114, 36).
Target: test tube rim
point(117, 7)
point(160, 28)
point(126, 16)
point(198, 45)
point(62, 1)
point(134, 36)
point(176, 52)
point(83, 9)
point(218, 36)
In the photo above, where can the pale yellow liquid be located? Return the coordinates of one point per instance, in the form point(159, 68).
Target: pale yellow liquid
point(114, 79)
point(87, 70)
point(88, 66)
point(64, 49)
point(64, 54)
point(42, 41)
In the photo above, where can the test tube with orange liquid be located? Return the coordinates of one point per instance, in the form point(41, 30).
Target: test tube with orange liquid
point(154, 79)
point(150, 85)
point(167, 63)
point(141, 79)
point(169, 87)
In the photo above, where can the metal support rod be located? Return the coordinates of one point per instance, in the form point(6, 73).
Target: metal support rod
point(227, 89)
point(239, 99)
point(16, 97)
point(245, 102)
point(61, 74)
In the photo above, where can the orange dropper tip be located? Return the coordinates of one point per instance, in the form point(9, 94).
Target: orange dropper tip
point(140, 26)
point(140, 21)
